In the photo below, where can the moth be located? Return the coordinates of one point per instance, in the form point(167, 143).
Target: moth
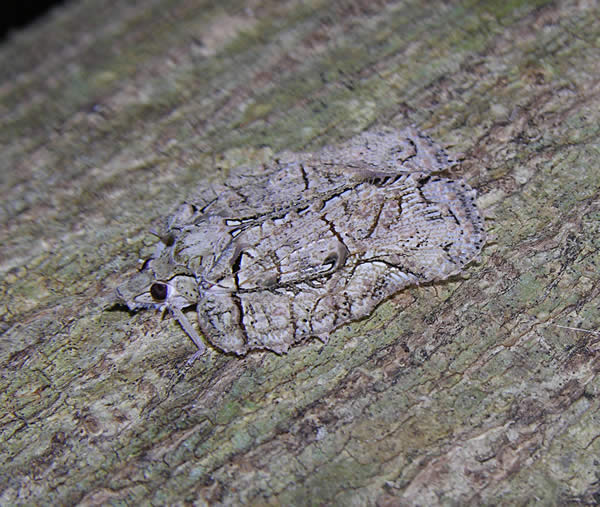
point(298, 247)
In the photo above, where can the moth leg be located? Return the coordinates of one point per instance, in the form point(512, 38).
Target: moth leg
point(195, 355)
point(191, 332)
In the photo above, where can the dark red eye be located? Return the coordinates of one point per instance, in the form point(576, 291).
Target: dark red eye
point(158, 291)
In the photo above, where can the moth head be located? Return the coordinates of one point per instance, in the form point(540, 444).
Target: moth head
point(151, 289)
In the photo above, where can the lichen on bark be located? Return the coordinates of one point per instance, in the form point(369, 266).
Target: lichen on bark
point(463, 391)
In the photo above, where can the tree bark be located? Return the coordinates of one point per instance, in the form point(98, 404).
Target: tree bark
point(467, 391)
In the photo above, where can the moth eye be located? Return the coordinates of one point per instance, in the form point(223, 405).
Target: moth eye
point(158, 291)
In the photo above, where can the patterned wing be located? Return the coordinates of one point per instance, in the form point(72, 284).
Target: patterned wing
point(309, 242)
point(310, 270)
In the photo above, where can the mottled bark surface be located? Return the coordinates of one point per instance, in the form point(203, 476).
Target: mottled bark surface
point(457, 392)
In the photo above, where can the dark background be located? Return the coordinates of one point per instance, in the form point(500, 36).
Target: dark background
point(16, 15)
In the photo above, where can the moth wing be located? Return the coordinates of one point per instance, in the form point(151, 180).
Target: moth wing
point(305, 274)
point(390, 150)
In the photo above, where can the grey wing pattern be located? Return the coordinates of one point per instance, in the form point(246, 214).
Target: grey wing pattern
point(310, 270)
point(311, 241)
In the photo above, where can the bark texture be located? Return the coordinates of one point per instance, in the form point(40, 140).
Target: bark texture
point(453, 393)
